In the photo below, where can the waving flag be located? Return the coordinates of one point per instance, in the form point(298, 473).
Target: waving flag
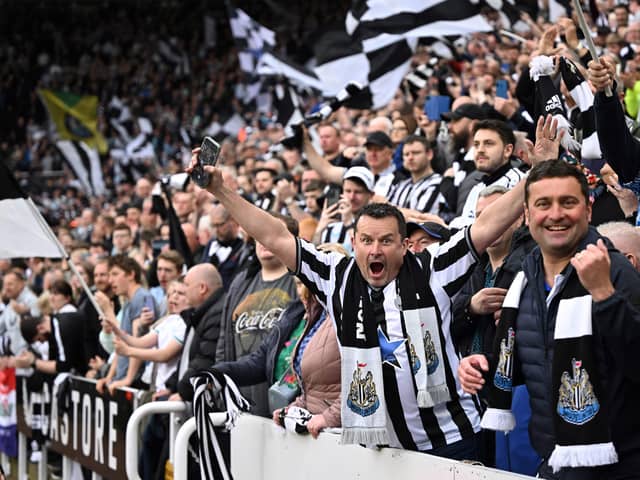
point(26, 233)
point(75, 117)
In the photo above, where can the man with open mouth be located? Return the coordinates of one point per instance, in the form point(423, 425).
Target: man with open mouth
point(392, 313)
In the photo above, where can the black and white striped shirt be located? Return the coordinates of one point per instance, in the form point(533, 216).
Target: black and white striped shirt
point(338, 232)
point(409, 427)
point(505, 176)
point(423, 195)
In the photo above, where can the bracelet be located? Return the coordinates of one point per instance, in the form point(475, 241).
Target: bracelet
point(288, 201)
point(33, 363)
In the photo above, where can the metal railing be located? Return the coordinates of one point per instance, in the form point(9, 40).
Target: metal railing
point(176, 411)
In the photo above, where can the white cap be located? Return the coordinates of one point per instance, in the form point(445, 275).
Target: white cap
point(363, 174)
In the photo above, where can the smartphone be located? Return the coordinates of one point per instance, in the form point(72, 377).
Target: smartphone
point(158, 245)
point(332, 196)
point(209, 151)
point(436, 105)
point(150, 304)
point(502, 88)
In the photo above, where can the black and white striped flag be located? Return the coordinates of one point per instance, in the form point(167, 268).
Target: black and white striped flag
point(171, 53)
point(287, 105)
point(85, 164)
point(378, 65)
point(250, 37)
point(414, 18)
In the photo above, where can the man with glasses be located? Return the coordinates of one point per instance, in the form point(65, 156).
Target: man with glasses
point(227, 251)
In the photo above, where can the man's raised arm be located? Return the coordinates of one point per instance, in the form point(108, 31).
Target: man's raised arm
point(268, 230)
point(501, 214)
point(329, 173)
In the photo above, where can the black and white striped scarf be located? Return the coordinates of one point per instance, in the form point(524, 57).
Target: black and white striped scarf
point(549, 98)
point(363, 333)
point(214, 392)
point(585, 120)
point(583, 437)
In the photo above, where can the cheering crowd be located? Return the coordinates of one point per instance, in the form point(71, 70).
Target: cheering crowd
point(430, 276)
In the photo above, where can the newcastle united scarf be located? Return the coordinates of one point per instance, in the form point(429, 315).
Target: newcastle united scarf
point(549, 98)
point(214, 392)
point(581, 419)
point(368, 354)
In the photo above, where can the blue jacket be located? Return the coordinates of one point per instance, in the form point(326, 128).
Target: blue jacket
point(616, 335)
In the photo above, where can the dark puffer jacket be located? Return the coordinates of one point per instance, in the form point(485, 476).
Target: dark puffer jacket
point(205, 319)
point(616, 333)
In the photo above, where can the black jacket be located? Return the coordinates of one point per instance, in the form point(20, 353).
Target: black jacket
point(259, 366)
point(464, 323)
point(616, 334)
point(205, 319)
point(619, 148)
point(67, 343)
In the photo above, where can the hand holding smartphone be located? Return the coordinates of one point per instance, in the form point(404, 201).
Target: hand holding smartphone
point(209, 151)
point(436, 105)
point(502, 88)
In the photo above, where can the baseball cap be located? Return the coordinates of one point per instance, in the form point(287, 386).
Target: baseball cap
point(362, 174)
point(466, 110)
point(378, 138)
point(432, 229)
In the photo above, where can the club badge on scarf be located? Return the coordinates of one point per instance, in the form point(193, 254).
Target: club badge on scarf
point(426, 349)
point(583, 438)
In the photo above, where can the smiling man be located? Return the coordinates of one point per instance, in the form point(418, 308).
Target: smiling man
point(391, 311)
point(571, 327)
point(493, 143)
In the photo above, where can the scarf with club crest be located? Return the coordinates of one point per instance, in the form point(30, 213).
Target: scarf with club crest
point(583, 438)
point(368, 358)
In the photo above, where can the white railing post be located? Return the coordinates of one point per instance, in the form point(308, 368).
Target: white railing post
point(133, 433)
point(42, 464)
point(22, 456)
point(182, 442)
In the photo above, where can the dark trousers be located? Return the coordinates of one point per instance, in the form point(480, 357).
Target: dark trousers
point(465, 449)
point(153, 443)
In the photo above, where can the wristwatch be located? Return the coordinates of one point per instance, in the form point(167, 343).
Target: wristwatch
point(33, 362)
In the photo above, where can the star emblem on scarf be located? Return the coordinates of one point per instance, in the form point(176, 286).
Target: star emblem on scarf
point(388, 349)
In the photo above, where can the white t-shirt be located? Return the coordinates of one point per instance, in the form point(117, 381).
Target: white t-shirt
point(172, 327)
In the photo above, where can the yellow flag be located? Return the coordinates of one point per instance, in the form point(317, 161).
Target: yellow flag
point(75, 117)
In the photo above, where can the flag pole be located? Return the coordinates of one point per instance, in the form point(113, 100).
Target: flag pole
point(47, 229)
point(513, 36)
point(587, 37)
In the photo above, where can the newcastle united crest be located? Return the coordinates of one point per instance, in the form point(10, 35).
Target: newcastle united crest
point(577, 403)
point(430, 353)
point(415, 361)
point(363, 399)
point(503, 377)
